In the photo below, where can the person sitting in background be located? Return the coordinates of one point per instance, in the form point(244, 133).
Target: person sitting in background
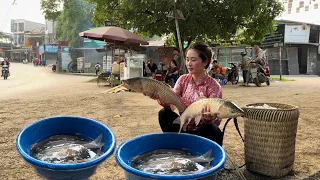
point(219, 72)
point(153, 67)
point(172, 73)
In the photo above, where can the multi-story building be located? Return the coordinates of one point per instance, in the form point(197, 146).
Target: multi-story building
point(49, 38)
point(20, 26)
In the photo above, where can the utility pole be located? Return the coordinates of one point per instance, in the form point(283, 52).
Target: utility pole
point(178, 33)
point(280, 62)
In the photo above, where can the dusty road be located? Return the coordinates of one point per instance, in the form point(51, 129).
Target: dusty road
point(26, 80)
point(32, 93)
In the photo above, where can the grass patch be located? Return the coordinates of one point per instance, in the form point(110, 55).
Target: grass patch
point(282, 79)
point(93, 80)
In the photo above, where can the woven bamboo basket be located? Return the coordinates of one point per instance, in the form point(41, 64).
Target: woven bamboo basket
point(270, 136)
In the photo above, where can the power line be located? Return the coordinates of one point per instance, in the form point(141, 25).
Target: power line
point(4, 21)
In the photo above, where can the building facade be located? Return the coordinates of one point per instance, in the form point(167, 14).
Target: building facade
point(19, 27)
point(299, 45)
point(50, 26)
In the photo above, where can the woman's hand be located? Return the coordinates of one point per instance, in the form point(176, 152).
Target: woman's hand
point(210, 118)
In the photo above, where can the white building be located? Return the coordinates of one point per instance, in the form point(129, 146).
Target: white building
point(20, 26)
point(50, 38)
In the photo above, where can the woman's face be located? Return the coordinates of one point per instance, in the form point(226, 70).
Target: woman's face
point(194, 62)
point(172, 64)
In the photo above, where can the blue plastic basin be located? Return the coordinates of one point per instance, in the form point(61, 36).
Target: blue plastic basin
point(64, 125)
point(150, 142)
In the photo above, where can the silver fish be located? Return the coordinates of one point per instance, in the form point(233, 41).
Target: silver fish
point(151, 87)
point(223, 109)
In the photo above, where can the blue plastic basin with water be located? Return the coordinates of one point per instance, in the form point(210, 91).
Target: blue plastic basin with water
point(146, 143)
point(85, 127)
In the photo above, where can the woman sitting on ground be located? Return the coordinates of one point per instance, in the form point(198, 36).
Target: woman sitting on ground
point(190, 88)
point(172, 72)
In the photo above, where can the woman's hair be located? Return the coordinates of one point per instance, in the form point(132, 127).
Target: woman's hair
point(203, 51)
point(174, 62)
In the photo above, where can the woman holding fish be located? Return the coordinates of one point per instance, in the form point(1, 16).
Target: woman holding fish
point(197, 96)
point(191, 87)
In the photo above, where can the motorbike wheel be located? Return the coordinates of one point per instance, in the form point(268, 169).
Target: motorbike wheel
point(257, 82)
point(236, 79)
point(268, 81)
point(5, 75)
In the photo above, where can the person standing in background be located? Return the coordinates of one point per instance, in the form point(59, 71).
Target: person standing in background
point(178, 58)
point(97, 68)
point(245, 67)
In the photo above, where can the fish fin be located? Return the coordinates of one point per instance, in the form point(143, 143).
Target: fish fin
point(197, 119)
point(202, 97)
point(206, 157)
point(173, 107)
point(176, 121)
point(31, 147)
point(96, 143)
point(98, 139)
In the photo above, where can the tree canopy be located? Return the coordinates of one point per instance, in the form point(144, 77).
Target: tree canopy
point(74, 18)
point(206, 20)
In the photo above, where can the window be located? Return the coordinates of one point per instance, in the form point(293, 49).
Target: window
point(21, 27)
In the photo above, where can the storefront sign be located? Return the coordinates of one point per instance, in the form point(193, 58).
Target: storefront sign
point(65, 57)
point(297, 34)
point(25, 47)
point(48, 48)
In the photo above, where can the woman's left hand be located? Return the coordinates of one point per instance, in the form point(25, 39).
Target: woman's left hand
point(210, 118)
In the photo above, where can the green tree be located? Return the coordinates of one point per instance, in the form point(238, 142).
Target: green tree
point(74, 18)
point(205, 20)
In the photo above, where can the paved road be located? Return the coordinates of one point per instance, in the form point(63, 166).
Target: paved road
point(27, 79)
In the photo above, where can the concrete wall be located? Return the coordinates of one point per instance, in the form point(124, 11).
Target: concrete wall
point(312, 60)
point(318, 68)
point(31, 26)
point(273, 61)
point(92, 56)
point(153, 54)
point(293, 64)
point(49, 27)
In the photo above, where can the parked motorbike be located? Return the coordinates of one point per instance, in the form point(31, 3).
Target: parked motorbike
point(5, 71)
point(233, 73)
point(256, 75)
point(54, 68)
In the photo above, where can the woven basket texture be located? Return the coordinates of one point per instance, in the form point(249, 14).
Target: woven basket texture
point(270, 136)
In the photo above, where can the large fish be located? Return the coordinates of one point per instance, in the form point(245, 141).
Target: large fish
point(152, 87)
point(66, 149)
point(224, 109)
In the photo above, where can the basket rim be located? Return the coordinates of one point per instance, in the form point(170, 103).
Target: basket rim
point(294, 107)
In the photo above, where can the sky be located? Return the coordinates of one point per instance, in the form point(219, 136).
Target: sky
point(24, 9)
point(30, 10)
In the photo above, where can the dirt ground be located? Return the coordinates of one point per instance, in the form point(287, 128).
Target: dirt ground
point(46, 94)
